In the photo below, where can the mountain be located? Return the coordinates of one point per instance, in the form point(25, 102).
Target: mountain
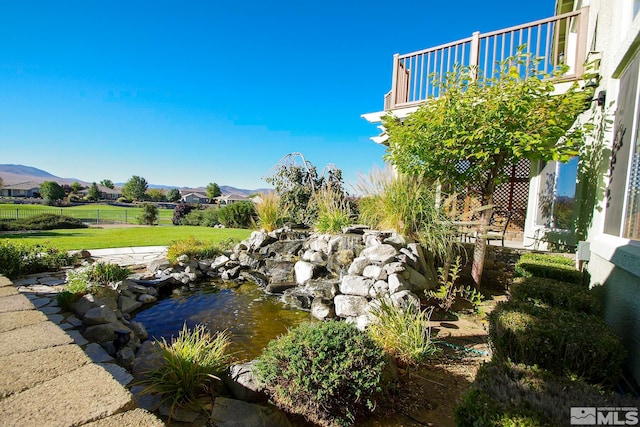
point(14, 174)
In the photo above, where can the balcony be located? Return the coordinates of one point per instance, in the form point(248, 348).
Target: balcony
point(559, 40)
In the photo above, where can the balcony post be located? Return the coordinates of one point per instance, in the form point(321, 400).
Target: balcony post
point(394, 82)
point(582, 41)
point(474, 54)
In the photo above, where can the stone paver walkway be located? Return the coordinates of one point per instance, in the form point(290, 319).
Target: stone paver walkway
point(46, 379)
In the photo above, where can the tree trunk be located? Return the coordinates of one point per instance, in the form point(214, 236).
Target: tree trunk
point(480, 248)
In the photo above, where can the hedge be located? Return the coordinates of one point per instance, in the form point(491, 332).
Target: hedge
point(555, 293)
point(555, 267)
point(505, 394)
point(562, 341)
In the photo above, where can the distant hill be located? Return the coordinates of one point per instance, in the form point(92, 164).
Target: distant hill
point(14, 174)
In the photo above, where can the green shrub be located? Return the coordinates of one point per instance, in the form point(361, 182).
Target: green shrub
point(104, 273)
point(237, 215)
point(149, 214)
point(505, 394)
point(196, 248)
point(557, 294)
point(17, 259)
point(180, 211)
point(403, 332)
point(329, 372)
point(561, 341)
point(190, 365)
point(201, 217)
point(550, 266)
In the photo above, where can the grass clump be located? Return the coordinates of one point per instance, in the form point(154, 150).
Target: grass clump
point(18, 259)
point(269, 212)
point(564, 295)
point(190, 365)
point(197, 249)
point(328, 372)
point(334, 212)
point(105, 272)
point(555, 267)
point(408, 205)
point(403, 332)
point(46, 221)
point(561, 341)
point(506, 394)
point(201, 217)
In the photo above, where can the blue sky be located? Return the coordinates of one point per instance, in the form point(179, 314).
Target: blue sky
point(187, 93)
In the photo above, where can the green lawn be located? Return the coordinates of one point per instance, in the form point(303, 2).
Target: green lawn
point(97, 238)
point(93, 212)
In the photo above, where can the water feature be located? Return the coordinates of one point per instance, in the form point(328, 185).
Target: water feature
point(252, 317)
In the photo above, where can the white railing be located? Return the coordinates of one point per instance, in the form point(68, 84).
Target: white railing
point(556, 41)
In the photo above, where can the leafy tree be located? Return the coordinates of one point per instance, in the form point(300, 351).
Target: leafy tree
point(76, 187)
point(135, 188)
point(149, 215)
point(1, 182)
point(173, 195)
point(467, 138)
point(213, 191)
point(94, 192)
point(156, 195)
point(296, 181)
point(51, 191)
point(180, 211)
point(107, 183)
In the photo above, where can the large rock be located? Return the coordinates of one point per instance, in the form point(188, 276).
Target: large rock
point(278, 288)
point(405, 299)
point(255, 277)
point(243, 383)
point(236, 413)
point(279, 271)
point(251, 261)
point(374, 272)
point(418, 282)
point(350, 305)
point(127, 305)
point(99, 316)
point(158, 264)
point(318, 258)
point(356, 285)
point(219, 261)
point(380, 254)
point(103, 333)
point(397, 283)
point(348, 241)
point(83, 305)
point(303, 271)
point(282, 247)
point(358, 265)
point(322, 308)
point(258, 239)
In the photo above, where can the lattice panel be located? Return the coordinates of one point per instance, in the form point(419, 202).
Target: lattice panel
point(510, 196)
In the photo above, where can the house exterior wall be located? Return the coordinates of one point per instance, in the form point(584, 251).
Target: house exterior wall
point(614, 264)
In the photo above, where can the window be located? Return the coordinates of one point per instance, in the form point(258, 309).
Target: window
point(558, 194)
point(622, 217)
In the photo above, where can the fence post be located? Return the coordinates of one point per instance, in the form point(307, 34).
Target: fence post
point(126, 220)
point(17, 214)
point(394, 81)
point(474, 54)
point(97, 216)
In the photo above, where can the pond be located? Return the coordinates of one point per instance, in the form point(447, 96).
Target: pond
point(252, 317)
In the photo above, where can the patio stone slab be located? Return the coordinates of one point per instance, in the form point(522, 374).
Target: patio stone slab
point(137, 417)
point(32, 337)
point(20, 373)
point(8, 290)
point(15, 303)
point(18, 319)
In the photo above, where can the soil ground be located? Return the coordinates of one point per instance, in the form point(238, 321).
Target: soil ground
point(428, 395)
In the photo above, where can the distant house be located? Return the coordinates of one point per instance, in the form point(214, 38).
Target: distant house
point(106, 193)
point(228, 199)
point(194, 198)
point(23, 189)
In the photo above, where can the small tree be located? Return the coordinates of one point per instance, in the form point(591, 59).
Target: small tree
point(149, 215)
point(213, 191)
point(156, 195)
point(296, 181)
point(94, 192)
point(173, 195)
point(51, 191)
point(465, 138)
point(135, 188)
point(76, 187)
point(107, 183)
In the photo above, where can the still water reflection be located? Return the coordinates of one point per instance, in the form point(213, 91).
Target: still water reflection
point(252, 317)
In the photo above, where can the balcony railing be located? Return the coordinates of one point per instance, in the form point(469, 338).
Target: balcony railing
point(559, 40)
